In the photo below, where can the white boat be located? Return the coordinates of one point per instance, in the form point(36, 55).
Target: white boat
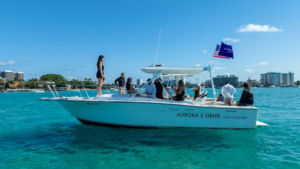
point(11, 90)
point(37, 91)
point(148, 112)
point(272, 86)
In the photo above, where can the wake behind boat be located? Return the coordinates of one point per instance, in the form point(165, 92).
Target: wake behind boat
point(131, 111)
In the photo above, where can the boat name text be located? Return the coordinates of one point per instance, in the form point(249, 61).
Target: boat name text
point(208, 115)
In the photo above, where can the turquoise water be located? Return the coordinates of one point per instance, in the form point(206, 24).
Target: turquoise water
point(41, 134)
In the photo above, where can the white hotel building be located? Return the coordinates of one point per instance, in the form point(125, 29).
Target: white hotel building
point(278, 79)
point(10, 75)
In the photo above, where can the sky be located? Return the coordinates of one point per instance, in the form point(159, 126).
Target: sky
point(66, 37)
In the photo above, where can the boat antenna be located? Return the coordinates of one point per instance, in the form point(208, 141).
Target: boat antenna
point(157, 46)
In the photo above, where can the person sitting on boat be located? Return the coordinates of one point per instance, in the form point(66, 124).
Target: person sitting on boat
point(150, 89)
point(180, 91)
point(247, 96)
point(219, 98)
point(120, 82)
point(196, 91)
point(228, 91)
point(160, 88)
point(130, 89)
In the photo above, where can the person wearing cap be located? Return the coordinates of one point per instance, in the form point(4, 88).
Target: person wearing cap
point(150, 89)
point(228, 91)
point(247, 96)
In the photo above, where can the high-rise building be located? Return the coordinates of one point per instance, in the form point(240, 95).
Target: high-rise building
point(287, 79)
point(8, 75)
point(221, 80)
point(139, 82)
point(277, 79)
point(273, 78)
point(19, 75)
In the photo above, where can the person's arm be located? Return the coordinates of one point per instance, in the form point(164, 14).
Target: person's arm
point(167, 89)
point(100, 66)
point(117, 81)
point(223, 93)
point(234, 91)
point(243, 97)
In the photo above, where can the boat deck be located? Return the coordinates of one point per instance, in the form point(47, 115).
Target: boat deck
point(143, 98)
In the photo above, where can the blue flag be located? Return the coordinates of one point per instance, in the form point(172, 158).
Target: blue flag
point(226, 51)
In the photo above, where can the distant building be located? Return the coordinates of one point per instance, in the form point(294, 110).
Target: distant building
point(253, 82)
point(19, 75)
point(10, 75)
point(221, 80)
point(287, 79)
point(273, 78)
point(139, 82)
point(277, 79)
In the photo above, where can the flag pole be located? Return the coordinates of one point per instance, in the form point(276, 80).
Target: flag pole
point(212, 63)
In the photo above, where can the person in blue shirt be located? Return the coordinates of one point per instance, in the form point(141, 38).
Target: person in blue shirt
point(150, 89)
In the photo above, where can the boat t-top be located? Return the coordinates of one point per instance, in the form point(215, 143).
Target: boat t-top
point(131, 110)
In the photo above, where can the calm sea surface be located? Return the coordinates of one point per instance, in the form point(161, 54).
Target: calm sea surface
point(42, 134)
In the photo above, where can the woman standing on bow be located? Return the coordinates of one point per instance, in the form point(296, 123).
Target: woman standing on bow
point(100, 74)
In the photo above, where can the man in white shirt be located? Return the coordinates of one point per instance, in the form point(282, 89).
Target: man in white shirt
point(150, 89)
point(228, 91)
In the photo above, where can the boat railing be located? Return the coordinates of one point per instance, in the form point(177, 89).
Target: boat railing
point(53, 90)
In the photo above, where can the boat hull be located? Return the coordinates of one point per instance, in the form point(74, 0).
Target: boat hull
point(160, 115)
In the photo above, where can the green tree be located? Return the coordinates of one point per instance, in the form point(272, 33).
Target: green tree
point(2, 81)
point(58, 79)
point(22, 83)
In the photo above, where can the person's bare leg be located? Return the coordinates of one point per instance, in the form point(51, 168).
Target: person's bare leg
point(99, 87)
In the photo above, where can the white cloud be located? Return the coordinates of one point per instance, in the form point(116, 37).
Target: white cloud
point(204, 51)
point(248, 70)
point(9, 63)
point(227, 73)
point(262, 63)
point(32, 73)
point(258, 28)
point(197, 65)
point(277, 68)
point(231, 40)
point(219, 68)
